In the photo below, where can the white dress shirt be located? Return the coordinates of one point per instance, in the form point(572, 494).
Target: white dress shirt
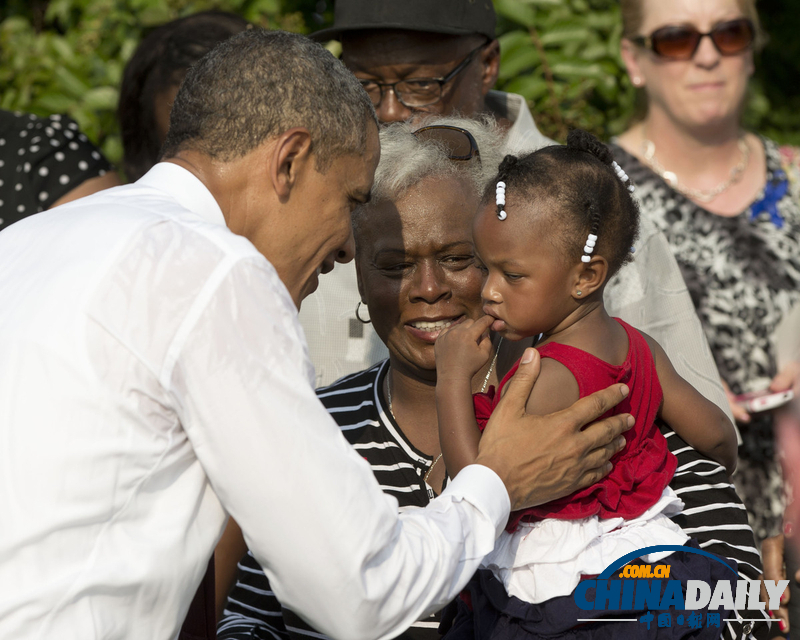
point(153, 375)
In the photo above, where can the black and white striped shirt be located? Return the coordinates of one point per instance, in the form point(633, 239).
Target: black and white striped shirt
point(713, 514)
point(359, 408)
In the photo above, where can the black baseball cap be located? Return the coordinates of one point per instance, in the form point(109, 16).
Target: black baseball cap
point(456, 17)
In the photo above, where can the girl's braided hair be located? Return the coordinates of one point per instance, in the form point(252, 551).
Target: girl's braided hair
point(580, 191)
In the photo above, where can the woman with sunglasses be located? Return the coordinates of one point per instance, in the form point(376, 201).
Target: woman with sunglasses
point(727, 201)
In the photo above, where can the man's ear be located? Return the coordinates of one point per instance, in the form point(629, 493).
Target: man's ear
point(589, 277)
point(490, 62)
point(291, 154)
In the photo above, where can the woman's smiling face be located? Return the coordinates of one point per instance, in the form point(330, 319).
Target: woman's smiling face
point(415, 264)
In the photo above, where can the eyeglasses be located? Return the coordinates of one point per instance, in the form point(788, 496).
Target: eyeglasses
point(416, 92)
point(459, 143)
point(681, 42)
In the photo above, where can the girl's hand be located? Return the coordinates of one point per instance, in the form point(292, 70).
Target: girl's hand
point(462, 349)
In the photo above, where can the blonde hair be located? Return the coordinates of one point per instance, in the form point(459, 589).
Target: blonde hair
point(633, 17)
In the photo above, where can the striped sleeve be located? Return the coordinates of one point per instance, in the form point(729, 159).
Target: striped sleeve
point(715, 516)
point(252, 611)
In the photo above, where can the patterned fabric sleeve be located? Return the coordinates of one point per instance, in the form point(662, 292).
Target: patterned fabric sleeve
point(41, 160)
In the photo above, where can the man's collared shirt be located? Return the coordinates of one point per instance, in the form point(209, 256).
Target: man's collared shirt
point(154, 376)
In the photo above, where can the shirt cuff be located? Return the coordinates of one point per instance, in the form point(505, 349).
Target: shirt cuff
point(483, 489)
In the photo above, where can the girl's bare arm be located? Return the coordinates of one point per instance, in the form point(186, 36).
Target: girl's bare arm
point(692, 416)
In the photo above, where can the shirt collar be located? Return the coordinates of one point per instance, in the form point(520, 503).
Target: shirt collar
point(186, 188)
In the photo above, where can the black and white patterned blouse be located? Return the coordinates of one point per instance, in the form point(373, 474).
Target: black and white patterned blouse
point(743, 273)
point(41, 160)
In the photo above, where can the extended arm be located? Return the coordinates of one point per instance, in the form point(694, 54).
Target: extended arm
point(700, 422)
point(278, 463)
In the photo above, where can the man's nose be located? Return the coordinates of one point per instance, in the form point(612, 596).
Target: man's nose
point(391, 109)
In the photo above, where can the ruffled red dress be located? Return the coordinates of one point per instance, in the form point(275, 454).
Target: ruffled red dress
point(643, 469)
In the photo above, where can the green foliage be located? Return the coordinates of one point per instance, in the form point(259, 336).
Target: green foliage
point(67, 56)
point(563, 57)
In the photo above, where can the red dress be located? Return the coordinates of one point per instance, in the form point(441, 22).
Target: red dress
point(643, 469)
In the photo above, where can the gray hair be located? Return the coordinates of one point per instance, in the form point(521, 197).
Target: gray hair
point(258, 84)
point(406, 159)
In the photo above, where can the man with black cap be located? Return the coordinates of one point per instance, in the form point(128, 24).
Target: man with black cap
point(414, 58)
point(417, 57)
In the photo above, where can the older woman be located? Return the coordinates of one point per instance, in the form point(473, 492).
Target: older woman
point(725, 201)
point(414, 260)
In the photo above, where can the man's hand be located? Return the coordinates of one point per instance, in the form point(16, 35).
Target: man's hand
point(542, 458)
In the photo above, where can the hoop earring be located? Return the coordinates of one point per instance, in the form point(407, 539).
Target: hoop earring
point(358, 317)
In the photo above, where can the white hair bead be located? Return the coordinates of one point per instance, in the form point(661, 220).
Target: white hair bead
point(500, 200)
point(588, 249)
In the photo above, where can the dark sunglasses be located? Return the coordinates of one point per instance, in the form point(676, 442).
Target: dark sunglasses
point(459, 143)
point(681, 42)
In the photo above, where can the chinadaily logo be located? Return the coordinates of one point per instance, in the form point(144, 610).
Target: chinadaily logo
point(648, 593)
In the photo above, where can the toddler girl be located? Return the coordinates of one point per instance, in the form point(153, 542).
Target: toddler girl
point(554, 226)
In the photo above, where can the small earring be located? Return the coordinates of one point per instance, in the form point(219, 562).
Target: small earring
point(579, 293)
point(637, 81)
point(358, 317)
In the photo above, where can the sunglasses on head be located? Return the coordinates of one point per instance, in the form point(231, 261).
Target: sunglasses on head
point(681, 42)
point(459, 143)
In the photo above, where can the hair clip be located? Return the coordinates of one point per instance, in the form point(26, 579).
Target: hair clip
point(591, 241)
point(623, 176)
point(500, 199)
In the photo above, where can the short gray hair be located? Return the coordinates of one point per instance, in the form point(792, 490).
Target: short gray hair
point(258, 84)
point(406, 159)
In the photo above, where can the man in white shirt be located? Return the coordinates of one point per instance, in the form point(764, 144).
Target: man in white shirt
point(154, 378)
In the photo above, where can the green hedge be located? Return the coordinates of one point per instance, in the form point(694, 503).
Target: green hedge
point(67, 56)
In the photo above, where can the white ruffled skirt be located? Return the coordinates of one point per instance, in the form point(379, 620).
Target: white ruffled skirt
point(545, 559)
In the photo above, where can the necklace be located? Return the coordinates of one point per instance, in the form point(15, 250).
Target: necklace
point(649, 153)
point(483, 388)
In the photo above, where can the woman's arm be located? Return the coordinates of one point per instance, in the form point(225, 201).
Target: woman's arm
point(460, 353)
point(700, 422)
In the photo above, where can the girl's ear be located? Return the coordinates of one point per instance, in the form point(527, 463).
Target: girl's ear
point(589, 277)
